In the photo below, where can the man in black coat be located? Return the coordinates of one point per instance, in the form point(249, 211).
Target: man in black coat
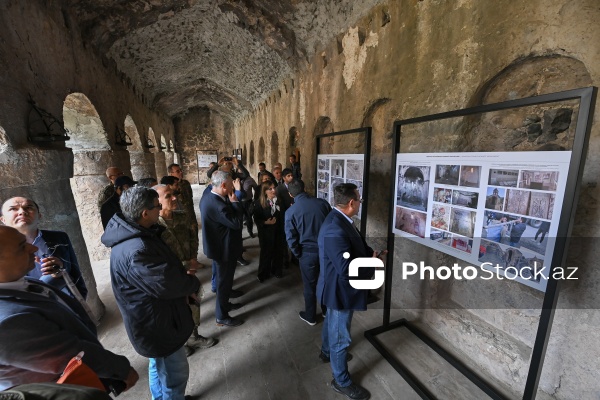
point(152, 290)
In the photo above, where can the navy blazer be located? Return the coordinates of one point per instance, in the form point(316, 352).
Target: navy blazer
point(303, 221)
point(337, 236)
point(39, 336)
point(222, 223)
point(60, 246)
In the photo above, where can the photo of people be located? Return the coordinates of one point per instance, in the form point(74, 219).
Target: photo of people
point(503, 177)
point(413, 186)
point(411, 221)
point(510, 260)
point(354, 170)
point(462, 243)
point(517, 201)
point(464, 198)
point(470, 176)
point(337, 168)
point(494, 199)
point(462, 222)
point(322, 175)
point(440, 215)
point(323, 186)
point(447, 174)
point(517, 231)
point(324, 164)
point(442, 195)
point(539, 180)
point(541, 205)
point(440, 237)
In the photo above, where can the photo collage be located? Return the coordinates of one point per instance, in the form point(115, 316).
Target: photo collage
point(519, 206)
point(339, 168)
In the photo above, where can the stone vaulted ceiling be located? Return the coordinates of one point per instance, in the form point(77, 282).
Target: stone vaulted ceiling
point(226, 55)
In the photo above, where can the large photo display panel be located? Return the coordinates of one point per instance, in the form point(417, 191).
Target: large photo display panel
point(497, 211)
point(333, 169)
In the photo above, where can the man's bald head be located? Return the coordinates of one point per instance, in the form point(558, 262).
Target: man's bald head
point(113, 173)
point(17, 257)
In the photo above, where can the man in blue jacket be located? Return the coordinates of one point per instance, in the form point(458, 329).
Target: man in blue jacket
point(339, 243)
point(152, 290)
point(302, 224)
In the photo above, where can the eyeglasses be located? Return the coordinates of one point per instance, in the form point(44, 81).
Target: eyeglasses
point(159, 206)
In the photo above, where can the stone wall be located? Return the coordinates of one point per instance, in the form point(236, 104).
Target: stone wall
point(407, 59)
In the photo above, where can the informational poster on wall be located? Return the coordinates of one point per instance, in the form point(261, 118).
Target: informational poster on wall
point(496, 211)
point(333, 169)
point(204, 160)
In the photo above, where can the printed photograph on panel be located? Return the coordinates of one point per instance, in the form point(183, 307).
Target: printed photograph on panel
point(337, 168)
point(517, 201)
point(335, 182)
point(411, 221)
point(323, 186)
point(510, 260)
point(323, 195)
point(470, 175)
point(441, 237)
point(541, 205)
point(503, 177)
point(413, 186)
point(322, 175)
point(462, 222)
point(494, 199)
point(354, 170)
point(358, 184)
point(440, 215)
point(324, 164)
point(464, 198)
point(442, 195)
point(447, 174)
point(517, 231)
point(462, 243)
point(539, 180)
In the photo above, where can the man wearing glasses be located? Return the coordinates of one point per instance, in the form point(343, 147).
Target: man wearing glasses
point(152, 290)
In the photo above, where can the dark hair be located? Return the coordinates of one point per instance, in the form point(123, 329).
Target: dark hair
point(135, 200)
point(524, 220)
point(147, 182)
point(262, 164)
point(168, 180)
point(262, 197)
point(286, 171)
point(293, 155)
point(296, 187)
point(170, 167)
point(343, 193)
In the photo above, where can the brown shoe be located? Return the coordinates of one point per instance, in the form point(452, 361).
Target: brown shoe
point(201, 342)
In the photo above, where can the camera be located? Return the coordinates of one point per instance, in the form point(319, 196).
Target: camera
point(228, 158)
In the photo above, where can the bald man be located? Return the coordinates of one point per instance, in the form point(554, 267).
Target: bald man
point(44, 327)
point(112, 173)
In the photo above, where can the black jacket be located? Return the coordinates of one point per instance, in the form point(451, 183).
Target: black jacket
point(151, 287)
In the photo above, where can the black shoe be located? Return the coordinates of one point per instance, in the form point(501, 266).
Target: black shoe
point(354, 391)
point(325, 358)
point(235, 306)
point(304, 318)
point(235, 294)
point(231, 322)
point(243, 262)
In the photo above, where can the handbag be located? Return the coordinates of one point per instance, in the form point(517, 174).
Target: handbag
point(77, 373)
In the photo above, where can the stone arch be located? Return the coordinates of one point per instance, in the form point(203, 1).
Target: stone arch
point(261, 150)
point(252, 152)
point(142, 163)
point(151, 142)
point(514, 130)
point(244, 155)
point(169, 156)
point(4, 141)
point(325, 125)
point(378, 117)
point(274, 148)
point(84, 125)
point(160, 163)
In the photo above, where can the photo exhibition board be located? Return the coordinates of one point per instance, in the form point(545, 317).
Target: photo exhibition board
point(333, 169)
point(497, 211)
point(204, 160)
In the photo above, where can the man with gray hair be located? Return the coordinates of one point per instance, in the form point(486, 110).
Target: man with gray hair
point(152, 290)
point(222, 217)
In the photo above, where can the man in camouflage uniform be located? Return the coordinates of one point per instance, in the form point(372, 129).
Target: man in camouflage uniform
point(186, 196)
point(112, 173)
point(183, 240)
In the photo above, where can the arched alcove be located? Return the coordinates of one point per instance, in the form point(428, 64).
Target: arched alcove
point(169, 153)
point(252, 153)
point(244, 155)
point(379, 117)
point(261, 150)
point(323, 126)
point(142, 163)
point(274, 148)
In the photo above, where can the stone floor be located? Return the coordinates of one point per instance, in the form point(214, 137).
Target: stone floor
point(274, 354)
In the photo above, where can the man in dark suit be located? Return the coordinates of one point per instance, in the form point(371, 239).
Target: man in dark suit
point(283, 194)
point(222, 217)
point(295, 167)
point(302, 224)
point(54, 247)
point(340, 243)
point(41, 329)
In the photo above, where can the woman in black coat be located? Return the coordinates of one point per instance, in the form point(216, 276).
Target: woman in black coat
point(271, 236)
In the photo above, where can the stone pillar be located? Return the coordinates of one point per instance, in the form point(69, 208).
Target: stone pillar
point(43, 175)
point(160, 164)
point(88, 180)
point(169, 157)
point(142, 165)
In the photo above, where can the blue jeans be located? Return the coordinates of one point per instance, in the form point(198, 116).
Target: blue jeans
point(213, 278)
point(336, 340)
point(309, 268)
point(168, 376)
